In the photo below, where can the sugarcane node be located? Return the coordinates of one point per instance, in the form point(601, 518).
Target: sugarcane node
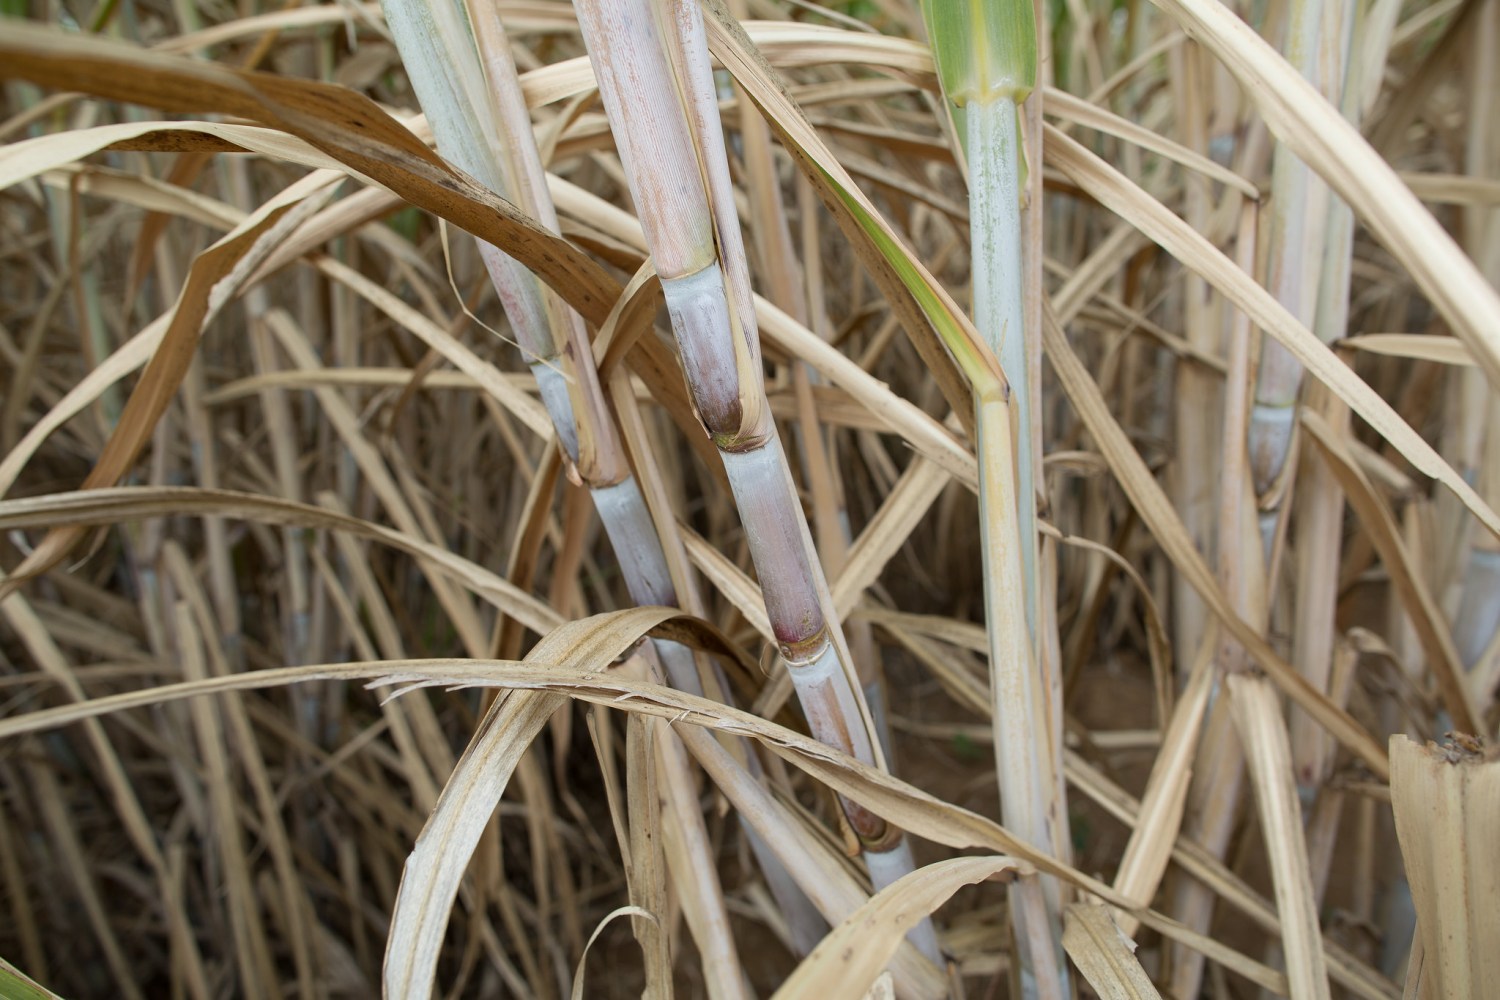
point(738, 441)
point(799, 652)
point(875, 835)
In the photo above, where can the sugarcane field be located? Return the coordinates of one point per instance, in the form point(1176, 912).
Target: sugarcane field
point(750, 499)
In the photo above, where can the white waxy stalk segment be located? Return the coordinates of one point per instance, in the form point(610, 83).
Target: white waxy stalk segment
point(699, 307)
point(657, 150)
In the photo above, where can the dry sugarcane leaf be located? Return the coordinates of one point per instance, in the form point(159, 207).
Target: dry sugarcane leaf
point(1061, 104)
point(638, 915)
point(1348, 971)
point(1453, 189)
point(521, 404)
point(887, 532)
point(1121, 196)
point(929, 437)
point(1268, 756)
point(907, 806)
point(343, 124)
point(1165, 524)
point(817, 864)
point(1446, 800)
point(1319, 134)
point(153, 195)
point(902, 804)
point(435, 868)
point(112, 771)
point(1417, 346)
point(354, 377)
point(731, 581)
point(1427, 619)
point(23, 160)
point(1104, 955)
point(125, 503)
point(916, 811)
point(216, 276)
point(854, 954)
point(285, 21)
point(1146, 854)
point(75, 862)
point(648, 869)
point(296, 906)
point(632, 317)
point(246, 920)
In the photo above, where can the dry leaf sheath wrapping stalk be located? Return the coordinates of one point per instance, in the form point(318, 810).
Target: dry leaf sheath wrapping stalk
point(259, 449)
point(1446, 801)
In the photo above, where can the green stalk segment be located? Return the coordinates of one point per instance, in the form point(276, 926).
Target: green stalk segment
point(986, 56)
point(996, 172)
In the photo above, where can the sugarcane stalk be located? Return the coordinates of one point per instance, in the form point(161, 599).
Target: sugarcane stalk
point(1196, 396)
point(800, 295)
point(996, 171)
point(651, 63)
point(1254, 704)
point(1321, 502)
point(1445, 800)
point(805, 922)
point(1214, 794)
point(986, 59)
point(1478, 618)
point(1299, 216)
point(500, 151)
point(1027, 789)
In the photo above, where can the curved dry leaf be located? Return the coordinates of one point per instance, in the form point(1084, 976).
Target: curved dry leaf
point(854, 954)
point(1427, 619)
point(908, 807)
point(1104, 955)
point(1416, 346)
point(436, 866)
point(216, 276)
point(340, 122)
point(1319, 134)
point(1160, 516)
point(22, 160)
point(609, 918)
point(127, 503)
point(1117, 193)
point(127, 358)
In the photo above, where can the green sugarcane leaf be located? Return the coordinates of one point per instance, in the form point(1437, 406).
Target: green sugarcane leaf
point(984, 49)
point(972, 357)
point(16, 985)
